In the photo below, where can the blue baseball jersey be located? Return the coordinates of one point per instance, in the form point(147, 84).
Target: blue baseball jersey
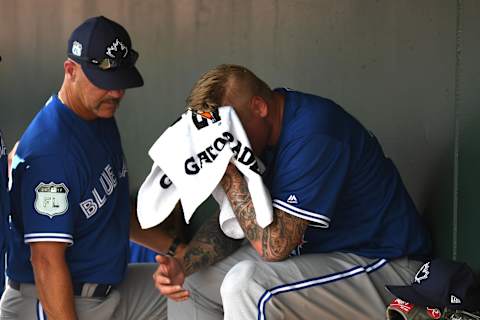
point(70, 185)
point(328, 169)
point(4, 210)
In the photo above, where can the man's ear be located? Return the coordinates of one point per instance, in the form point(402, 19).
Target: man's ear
point(70, 68)
point(259, 106)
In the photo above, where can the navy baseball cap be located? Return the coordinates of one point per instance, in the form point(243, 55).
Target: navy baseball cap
point(442, 283)
point(104, 50)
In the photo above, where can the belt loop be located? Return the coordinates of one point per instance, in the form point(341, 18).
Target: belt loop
point(88, 290)
point(13, 284)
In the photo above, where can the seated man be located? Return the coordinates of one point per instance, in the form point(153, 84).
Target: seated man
point(344, 224)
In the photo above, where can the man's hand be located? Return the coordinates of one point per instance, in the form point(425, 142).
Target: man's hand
point(169, 278)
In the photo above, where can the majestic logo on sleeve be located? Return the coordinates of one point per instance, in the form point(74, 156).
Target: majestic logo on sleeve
point(116, 48)
point(423, 273)
point(51, 199)
point(292, 199)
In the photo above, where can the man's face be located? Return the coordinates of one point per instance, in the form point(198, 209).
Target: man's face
point(254, 125)
point(97, 102)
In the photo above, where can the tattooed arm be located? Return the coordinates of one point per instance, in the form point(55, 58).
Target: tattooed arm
point(276, 241)
point(208, 246)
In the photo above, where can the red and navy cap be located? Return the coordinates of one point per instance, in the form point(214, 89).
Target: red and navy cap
point(442, 283)
point(104, 50)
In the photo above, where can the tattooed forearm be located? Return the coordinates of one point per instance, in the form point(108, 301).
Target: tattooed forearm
point(279, 238)
point(238, 194)
point(282, 235)
point(208, 246)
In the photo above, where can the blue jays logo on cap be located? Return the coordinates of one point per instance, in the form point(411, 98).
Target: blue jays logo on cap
point(104, 50)
point(117, 48)
point(423, 273)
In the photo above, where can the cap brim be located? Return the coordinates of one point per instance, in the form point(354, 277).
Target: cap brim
point(408, 294)
point(115, 79)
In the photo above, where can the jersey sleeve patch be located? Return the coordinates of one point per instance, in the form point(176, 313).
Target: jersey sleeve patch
point(48, 237)
point(320, 220)
point(51, 199)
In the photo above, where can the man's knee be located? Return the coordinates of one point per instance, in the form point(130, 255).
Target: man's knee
point(240, 278)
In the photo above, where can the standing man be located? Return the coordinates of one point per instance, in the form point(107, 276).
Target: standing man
point(70, 194)
point(4, 210)
point(344, 224)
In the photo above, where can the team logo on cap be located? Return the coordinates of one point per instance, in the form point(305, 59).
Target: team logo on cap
point(77, 48)
point(115, 48)
point(51, 199)
point(423, 273)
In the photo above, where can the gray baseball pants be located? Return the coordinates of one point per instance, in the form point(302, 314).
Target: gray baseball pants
point(314, 286)
point(135, 298)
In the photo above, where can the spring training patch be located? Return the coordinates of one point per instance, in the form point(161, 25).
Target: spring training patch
point(51, 199)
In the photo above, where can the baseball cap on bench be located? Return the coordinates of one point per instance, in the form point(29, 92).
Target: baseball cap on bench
point(104, 50)
point(442, 283)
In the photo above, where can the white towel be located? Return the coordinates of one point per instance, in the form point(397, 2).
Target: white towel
point(156, 198)
point(194, 154)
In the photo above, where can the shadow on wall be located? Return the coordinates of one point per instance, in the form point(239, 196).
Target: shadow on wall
point(438, 212)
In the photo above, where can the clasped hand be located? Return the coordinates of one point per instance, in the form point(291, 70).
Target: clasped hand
point(169, 278)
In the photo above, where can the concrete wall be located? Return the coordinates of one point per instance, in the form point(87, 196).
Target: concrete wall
point(467, 217)
point(393, 64)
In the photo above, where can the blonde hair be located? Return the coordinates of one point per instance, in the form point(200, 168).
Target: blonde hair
point(224, 80)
